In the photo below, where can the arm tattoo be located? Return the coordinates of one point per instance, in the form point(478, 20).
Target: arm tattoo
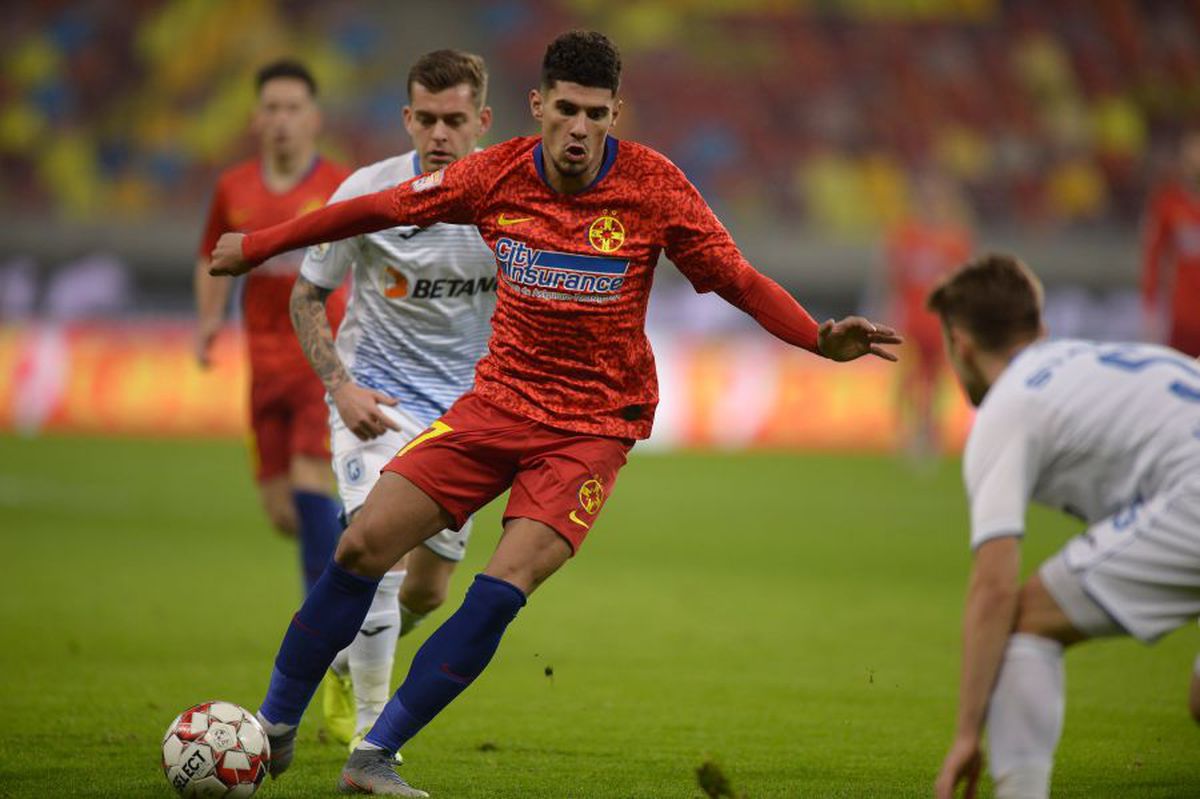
point(307, 308)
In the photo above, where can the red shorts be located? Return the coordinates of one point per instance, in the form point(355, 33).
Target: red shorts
point(289, 417)
point(472, 454)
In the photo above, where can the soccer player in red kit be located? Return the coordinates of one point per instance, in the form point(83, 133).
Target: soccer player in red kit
point(1171, 266)
point(577, 221)
point(288, 414)
point(920, 251)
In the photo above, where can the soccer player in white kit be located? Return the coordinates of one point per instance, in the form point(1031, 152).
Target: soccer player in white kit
point(1109, 433)
point(417, 321)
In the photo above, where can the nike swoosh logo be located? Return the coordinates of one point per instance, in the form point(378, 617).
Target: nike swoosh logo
point(408, 234)
point(374, 631)
point(505, 221)
point(577, 520)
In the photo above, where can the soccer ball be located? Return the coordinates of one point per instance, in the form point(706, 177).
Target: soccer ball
point(215, 749)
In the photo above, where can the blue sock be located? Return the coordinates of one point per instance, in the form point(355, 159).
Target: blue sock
point(449, 661)
point(320, 527)
point(325, 625)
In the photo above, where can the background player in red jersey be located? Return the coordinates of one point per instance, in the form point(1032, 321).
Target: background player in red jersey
point(287, 401)
point(929, 244)
point(577, 221)
point(1171, 264)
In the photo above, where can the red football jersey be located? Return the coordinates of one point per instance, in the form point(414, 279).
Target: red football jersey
point(568, 344)
point(242, 203)
point(918, 256)
point(1172, 260)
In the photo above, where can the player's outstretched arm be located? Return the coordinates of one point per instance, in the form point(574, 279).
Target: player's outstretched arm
point(781, 316)
point(238, 253)
point(358, 406)
point(988, 618)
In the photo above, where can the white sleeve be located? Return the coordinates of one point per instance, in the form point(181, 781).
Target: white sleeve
point(326, 264)
point(1000, 468)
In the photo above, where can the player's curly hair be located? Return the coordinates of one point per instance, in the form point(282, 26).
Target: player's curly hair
point(996, 298)
point(584, 57)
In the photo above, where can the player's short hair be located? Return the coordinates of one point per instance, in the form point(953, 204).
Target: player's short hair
point(584, 57)
point(996, 298)
point(285, 68)
point(445, 69)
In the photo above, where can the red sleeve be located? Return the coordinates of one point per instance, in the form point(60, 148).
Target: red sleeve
point(772, 307)
point(702, 249)
point(1155, 245)
point(696, 241)
point(445, 196)
point(216, 224)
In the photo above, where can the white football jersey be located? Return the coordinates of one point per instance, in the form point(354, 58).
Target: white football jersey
point(1084, 427)
point(421, 301)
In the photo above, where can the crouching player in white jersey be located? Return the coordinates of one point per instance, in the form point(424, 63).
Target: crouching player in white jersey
point(417, 321)
point(1109, 433)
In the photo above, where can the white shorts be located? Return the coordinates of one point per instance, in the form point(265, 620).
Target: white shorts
point(1136, 572)
point(357, 464)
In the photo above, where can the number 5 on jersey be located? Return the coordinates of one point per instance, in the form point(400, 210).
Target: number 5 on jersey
point(438, 428)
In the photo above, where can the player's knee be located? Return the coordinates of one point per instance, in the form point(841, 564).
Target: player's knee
point(357, 554)
point(282, 517)
point(422, 597)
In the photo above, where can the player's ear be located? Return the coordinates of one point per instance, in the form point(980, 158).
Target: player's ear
point(535, 104)
point(407, 114)
point(485, 119)
point(952, 336)
point(616, 111)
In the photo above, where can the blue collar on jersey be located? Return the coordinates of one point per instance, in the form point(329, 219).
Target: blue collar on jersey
point(416, 163)
point(610, 156)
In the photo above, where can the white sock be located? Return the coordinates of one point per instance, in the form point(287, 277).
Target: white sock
point(341, 663)
point(409, 619)
point(271, 727)
point(373, 651)
point(1025, 717)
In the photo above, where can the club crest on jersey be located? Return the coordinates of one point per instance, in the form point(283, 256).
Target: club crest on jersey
point(318, 252)
point(606, 234)
point(560, 275)
point(432, 180)
point(591, 495)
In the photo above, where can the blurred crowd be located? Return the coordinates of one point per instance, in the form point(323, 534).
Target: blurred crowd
point(1049, 113)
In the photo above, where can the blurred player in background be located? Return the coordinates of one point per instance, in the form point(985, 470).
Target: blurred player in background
point(933, 241)
point(417, 321)
point(288, 415)
point(1171, 263)
point(577, 221)
point(1109, 433)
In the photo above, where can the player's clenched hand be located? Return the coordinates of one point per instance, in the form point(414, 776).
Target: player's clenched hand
point(854, 337)
point(963, 764)
point(359, 409)
point(227, 256)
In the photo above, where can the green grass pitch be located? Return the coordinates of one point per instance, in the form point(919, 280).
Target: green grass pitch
point(792, 617)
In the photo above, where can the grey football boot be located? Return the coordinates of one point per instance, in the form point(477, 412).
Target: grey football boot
point(373, 771)
point(283, 747)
